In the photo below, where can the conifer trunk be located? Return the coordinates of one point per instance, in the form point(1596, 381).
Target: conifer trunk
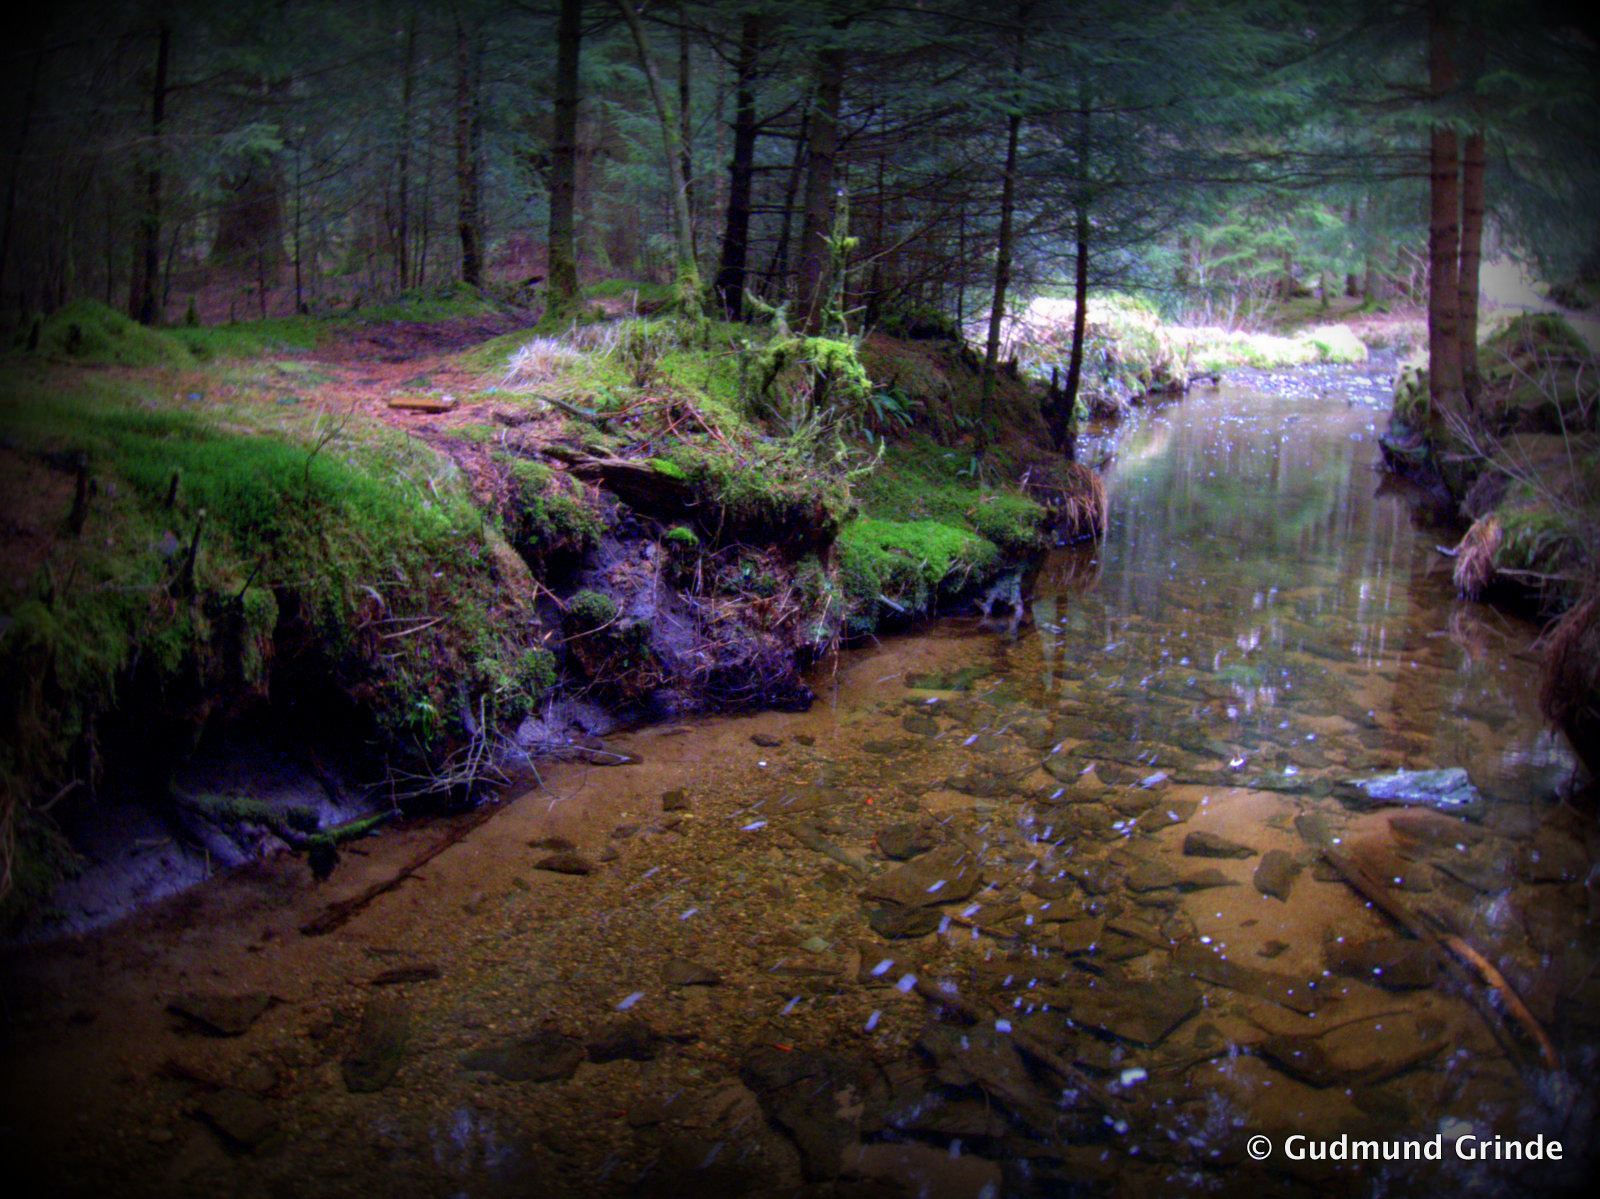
point(688, 272)
point(741, 175)
point(1445, 387)
point(821, 149)
point(142, 305)
point(561, 295)
point(469, 208)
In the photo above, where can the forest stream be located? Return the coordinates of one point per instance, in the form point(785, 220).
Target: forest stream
point(1066, 901)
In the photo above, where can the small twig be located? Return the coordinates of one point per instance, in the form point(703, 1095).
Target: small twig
point(428, 624)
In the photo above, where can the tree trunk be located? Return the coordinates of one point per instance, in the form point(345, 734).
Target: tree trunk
point(822, 148)
point(469, 210)
point(1066, 433)
point(778, 268)
point(741, 175)
point(1445, 388)
point(403, 164)
point(1002, 260)
point(142, 305)
point(1472, 166)
point(561, 295)
point(688, 271)
point(686, 127)
point(30, 97)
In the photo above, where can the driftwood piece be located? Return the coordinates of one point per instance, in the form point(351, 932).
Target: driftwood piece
point(337, 914)
point(422, 403)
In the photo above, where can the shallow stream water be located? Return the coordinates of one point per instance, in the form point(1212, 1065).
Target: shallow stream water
point(1047, 908)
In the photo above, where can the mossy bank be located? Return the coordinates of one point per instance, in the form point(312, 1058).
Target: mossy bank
point(1519, 467)
point(210, 531)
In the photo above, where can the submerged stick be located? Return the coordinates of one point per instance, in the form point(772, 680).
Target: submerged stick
point(1452, 951)
point(1510, 998)
point(336, 915)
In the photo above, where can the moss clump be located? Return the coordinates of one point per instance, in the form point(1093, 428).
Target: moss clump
point(591, 610)
point(89, 333)
point(682, 535)
point(226, 548)
point(764, 493)
point(906, 567)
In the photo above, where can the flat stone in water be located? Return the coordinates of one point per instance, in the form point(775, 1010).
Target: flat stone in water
point(1393, 965)
point(1203, 880)
point(902, 842)
point(566, 863)
point(1443, 790)
point(240, 1118)
point(1275, 874)
point(219, 1014)
point(893, 921)
point(1150, 876)
point(1208, 965)
point(1134, 1010)
point(680, 972)
point(544, 1057)
point(624, 1039)
point(945, 875)
point(1483, 877)
point(1201, 844)
point(922, 726)
point(379, 1047)
point(766, 740)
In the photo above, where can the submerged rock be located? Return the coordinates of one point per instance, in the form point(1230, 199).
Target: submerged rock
point(546, 1056)
point(1393, 965)
point(944, 876)
point(221, 1015)
point(1275, 874)
point(1209, 845)
point(1447, 790)
point(242, 1119)
point(380, 1045)
point(1144, 1012)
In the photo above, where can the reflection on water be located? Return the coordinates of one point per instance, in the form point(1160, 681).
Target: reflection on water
point(1254, 577)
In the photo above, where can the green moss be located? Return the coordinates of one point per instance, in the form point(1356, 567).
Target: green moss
point(906, 566)
point(356, 543)
point(669, 468)
point(250, 339)
point(682, 535)
point(88, 332)
point(921, 480)
point(591, 609)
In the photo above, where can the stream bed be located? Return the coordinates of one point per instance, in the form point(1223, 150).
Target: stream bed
point(1059, 906)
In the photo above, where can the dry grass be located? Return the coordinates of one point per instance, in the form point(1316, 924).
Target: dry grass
point(1475, 557)
point(1076, 498)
